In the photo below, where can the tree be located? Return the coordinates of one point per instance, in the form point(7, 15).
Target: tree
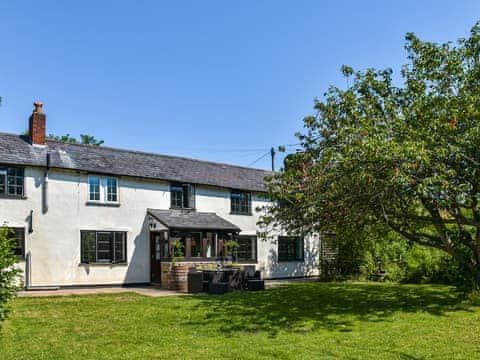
point(404, 157)
point(7, 272)
point(90, 140)
point(65, 138)
point(85, 139)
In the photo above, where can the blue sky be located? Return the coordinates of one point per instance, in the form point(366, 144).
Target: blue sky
point(215, 80)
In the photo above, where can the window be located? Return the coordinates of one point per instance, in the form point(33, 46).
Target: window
point(290, 248)
point(247, 248)
point(182, 196)
point(17, 234)
point(103, 190)
point(112, 190)
point(103, 247)
point(11, 181)
point(241, 202)
point(196, 245)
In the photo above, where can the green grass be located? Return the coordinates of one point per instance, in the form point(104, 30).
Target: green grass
point(298, 321)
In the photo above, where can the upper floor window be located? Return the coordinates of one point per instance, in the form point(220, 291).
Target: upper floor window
point(12, 181)
point(241, 202)
point(290, 248)
point(102, 189)
point(182, 196)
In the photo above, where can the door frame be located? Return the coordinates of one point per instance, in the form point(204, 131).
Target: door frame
point(152, 253)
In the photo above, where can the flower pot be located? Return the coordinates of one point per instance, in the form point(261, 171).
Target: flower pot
point(178, 278)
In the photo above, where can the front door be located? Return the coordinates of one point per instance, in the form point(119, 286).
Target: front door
point(155, 258)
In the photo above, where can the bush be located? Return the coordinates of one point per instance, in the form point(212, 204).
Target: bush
point(7, 272)
point(402, 261)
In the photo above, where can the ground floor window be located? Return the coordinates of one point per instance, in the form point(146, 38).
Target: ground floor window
point(197, 244)
point(247, 248)
point(18, 235)
point(290, 248)
point(103, 246)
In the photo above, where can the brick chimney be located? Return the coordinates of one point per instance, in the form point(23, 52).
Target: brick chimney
point(37, 124)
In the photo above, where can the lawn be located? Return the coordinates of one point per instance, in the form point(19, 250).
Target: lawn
point(298, 321)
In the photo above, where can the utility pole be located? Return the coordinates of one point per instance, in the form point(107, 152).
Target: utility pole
point(272, 153)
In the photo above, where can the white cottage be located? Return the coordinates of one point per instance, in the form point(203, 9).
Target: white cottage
point(93, 215)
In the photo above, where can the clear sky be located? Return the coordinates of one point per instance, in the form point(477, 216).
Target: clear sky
point(215, 80)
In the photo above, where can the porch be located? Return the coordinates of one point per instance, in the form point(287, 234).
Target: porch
point(195, 239)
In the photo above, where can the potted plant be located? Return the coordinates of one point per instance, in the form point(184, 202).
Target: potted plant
point(231, 249)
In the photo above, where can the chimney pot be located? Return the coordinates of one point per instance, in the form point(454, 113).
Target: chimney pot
point(38, 107)
point(37, 124)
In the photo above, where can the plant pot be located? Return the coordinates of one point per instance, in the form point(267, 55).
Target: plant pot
point(178, 278)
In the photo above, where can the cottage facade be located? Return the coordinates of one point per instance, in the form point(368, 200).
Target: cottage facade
point(89, 215)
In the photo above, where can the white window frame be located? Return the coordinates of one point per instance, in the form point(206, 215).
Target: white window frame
point(103, 180)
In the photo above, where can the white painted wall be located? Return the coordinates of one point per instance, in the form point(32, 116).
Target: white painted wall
point(54, 244)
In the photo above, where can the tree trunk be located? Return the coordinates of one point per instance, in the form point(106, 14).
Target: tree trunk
point(476, 284)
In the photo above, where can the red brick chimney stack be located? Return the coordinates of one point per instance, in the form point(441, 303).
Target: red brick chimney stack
point(37, 124)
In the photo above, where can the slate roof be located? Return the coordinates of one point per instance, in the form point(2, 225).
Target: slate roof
point(181, 219)
point(17, 150)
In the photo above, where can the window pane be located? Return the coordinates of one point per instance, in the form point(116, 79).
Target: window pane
point(120, 247)
point(290, 248)
point(188, 196)
point(94, 188)
point(246, 247)
point(17, 237)
point(104, 247)
point(15, 181)
point(195, 246)
point(112, 190)
point(176, 195)
point(209, 245)
point(19, 234)
point(3, 176)
point(88, 246)
point(179, 252)
point(241, 202)
point(182, 196)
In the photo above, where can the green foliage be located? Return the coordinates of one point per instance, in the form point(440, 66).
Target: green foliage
point(403, 261)
point(90, 140)
point(177, 251)
point(84, 139)
point(394, 158)
point(7, 272)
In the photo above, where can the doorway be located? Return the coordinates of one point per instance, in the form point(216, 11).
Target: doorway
point(156, 258)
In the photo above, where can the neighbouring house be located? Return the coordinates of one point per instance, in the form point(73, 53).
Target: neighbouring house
point(90, 215)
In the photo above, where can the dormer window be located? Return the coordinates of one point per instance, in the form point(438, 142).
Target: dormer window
point(11, 181)
point(182, 196)
point(102, 189)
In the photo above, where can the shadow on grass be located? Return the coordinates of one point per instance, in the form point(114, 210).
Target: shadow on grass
point(307, 307)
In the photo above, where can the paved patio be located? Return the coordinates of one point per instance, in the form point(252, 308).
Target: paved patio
point(142, 290)
point(147, 290)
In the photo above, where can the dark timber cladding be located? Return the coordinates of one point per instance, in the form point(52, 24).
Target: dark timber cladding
point(181, 219)
point(18, 150)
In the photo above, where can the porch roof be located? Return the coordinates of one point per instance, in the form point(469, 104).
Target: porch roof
point(189, 219)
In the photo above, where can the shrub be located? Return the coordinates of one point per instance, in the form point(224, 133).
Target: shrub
point(7, 272)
